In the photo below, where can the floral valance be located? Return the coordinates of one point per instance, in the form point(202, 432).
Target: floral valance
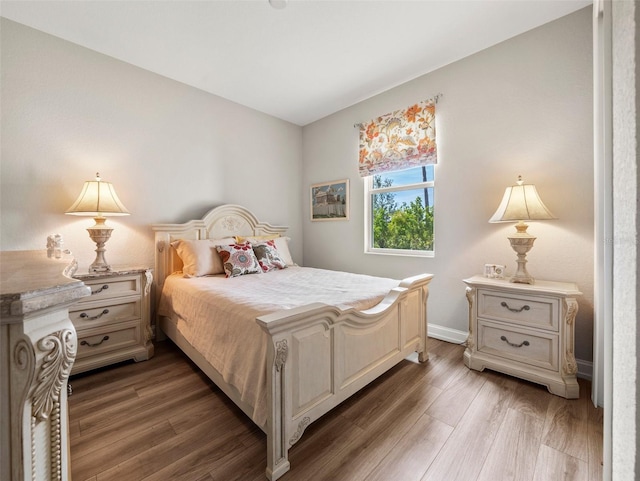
point(399, 140)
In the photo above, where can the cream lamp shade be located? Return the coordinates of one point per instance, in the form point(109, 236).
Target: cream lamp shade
point(520, 203)
point(98, 199)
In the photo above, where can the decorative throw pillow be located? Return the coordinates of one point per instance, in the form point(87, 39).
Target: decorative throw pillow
point(238, 259)
point(268, 257)
point(282, 244)
point(199, 257)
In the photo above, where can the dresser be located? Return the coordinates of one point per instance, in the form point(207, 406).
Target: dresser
point(113, 323)
point(525, 330)
point(38, 346)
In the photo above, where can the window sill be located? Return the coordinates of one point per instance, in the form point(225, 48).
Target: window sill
point(400, 253)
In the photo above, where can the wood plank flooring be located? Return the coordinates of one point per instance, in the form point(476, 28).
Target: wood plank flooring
point(163, 420)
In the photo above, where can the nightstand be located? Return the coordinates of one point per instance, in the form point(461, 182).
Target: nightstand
point(113, 323)
point(525, 330)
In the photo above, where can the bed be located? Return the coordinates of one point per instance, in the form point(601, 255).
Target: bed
point(306, 357)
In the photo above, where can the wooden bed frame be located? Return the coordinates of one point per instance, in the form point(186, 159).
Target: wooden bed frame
point(318, 354)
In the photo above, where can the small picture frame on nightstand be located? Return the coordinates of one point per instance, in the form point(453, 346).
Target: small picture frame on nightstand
point(494, 271)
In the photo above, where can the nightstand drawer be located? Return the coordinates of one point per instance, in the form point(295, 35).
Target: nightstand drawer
point(536, 348)
point(534, 311)
point(111, 288)
point(100, 313)
point(93, 342)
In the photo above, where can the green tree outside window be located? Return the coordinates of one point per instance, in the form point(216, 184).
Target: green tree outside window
point(405, 225)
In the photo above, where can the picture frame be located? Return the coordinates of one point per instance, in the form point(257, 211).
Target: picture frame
point(329, 201)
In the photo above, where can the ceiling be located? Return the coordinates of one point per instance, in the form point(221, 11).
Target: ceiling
point(299, 63)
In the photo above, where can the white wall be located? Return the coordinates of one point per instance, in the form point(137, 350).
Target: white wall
point(521, 107)
point(171, 151)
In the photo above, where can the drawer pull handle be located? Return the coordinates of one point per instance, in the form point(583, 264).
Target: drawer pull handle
point(87, 343)
point(84, 315)
point(523, 308)
point(103, 288)
point(513, 344)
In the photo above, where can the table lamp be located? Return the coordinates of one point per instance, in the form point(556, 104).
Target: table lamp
point(521, 202)
point(99, 200)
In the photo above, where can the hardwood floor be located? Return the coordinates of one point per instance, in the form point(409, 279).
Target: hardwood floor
point(163, 420)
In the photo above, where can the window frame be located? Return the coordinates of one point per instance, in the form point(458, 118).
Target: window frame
point(369, 191)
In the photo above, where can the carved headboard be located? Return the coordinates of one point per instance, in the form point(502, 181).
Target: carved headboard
point(225, 221)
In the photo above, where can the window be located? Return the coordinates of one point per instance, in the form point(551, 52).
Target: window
point(397, 154)
point(399, 209)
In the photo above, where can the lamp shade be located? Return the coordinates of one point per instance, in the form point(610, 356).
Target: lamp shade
point(521, 202)
point(97, 199)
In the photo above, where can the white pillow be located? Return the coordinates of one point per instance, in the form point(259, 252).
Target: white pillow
point(282, 244)
point(200, 257)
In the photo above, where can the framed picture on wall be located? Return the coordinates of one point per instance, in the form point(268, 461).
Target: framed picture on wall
point(330, 200)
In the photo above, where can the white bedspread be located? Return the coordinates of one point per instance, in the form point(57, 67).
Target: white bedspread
point(217, 316)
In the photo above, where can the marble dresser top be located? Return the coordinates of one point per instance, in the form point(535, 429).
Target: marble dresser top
point(30, 281)
point(115, 271)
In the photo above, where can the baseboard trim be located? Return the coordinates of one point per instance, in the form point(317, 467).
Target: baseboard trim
point(585, 369)
point(442, 333)
point(447, 334)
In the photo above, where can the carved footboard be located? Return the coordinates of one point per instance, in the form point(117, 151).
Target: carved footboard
point(320, 355)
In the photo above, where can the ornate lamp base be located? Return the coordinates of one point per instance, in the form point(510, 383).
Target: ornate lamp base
point(100, 234)
point(522, 242)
